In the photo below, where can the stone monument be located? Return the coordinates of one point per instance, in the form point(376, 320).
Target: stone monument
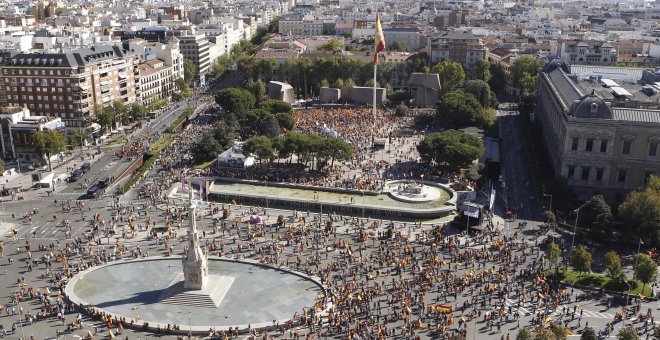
point(195, 261)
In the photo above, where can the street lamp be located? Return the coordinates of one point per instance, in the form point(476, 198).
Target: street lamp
point(577, 215)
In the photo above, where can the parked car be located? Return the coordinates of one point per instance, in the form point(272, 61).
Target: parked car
point(86, 167)
point(104, 182)
point(93, 191)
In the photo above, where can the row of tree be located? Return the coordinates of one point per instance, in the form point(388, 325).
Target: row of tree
point(559, 332)
point(639, 213)
point(117, 113)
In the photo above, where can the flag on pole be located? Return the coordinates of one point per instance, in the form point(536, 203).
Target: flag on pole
point(379, 39)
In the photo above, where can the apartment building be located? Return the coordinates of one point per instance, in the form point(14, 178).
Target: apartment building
point(153, 80)
point(68, 85)
point(462, 47)
point(602, 136)
point(168, 52)
point(195, 47)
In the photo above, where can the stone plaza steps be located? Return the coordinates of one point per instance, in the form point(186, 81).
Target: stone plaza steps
point(211, 296)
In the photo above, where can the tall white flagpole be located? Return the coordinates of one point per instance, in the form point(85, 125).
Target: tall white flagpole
point(375, 67)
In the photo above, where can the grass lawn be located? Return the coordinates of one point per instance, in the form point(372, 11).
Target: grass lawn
point(162, 143)
point(599, 280)
point(115, 140)
point(203, 165)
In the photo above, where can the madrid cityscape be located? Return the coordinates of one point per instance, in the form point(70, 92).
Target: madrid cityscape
point(329, 169)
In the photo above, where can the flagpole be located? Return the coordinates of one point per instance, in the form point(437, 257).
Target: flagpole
point(374, 103)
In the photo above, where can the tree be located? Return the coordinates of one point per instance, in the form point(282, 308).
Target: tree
point(2, 166)
point(399, 46)
point(552, 253)
point(645, 269)
point(559, 332)
point(189, 71)
point(260, 146)
point(483, 69)
point(183, 87)
point(48, 142)
point(588, 334)
point(349, 82)
point(595, 215)
point(205, 149)
point(285, 120)
point(628, 333)
point(244, 47)
point(524, 334)
point(524, 65)
point(105, 116)
point(481, 90)
point(120, 112)
point(225, 133)
point(401, 110)
point(581, 260)
point(450, 149)
point(270, 127)
point(333, 45)
point(276, 106)
point(221, 64)
point(339, 83)
point(257, 88)
point(138, 110)
point(235, 100)
point(451, 75)
point(497, 80)
point(612, 264)
point(457, 110)
point(324, 83)
point(641, 211)
point(77, 137)
point(549, 217)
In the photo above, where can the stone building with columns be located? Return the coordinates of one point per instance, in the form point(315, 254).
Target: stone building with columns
point(602, 135)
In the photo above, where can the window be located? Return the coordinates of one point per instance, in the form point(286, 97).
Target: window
point(571, 172)
point(603, 145)
point(599, 174)
point(653, 148)
point(590, 145)
point(585, 173)
point(622, 175)
point(626, 146)
point(574, 143)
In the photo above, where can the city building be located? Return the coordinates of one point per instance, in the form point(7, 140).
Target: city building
point(168, 52)
point(462, 47)
point(153, 80)
point(195, 47)
point(587, 52)
point(602, 135)
point(16, 127)
point(68, 85)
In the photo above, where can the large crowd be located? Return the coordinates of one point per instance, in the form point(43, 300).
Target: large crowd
point(384, 279)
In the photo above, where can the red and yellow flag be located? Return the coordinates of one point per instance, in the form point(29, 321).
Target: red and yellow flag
point(379, 39)
point(443, 309)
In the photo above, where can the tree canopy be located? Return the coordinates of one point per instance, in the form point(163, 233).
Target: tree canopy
point(333, 45)
point(596, 215)
point(458, 110)
point(641, 211)
point(205, 149)
point(235, 101)
point(451, 74)
point(48, 142)
point(645, 269)
point(581, 260)
point(450, 149)
point(481, 90)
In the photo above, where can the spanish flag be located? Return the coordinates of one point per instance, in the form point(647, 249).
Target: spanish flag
point(443, 309)
point(569, 331)
point(548, 320)
point(379, 39)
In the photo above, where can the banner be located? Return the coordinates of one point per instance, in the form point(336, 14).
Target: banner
point(491, 203)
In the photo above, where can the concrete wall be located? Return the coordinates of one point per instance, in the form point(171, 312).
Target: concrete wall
point(329, 95)
point(281, 91)
point(362, 95)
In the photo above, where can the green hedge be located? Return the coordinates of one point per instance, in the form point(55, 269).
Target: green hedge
point(187, 113)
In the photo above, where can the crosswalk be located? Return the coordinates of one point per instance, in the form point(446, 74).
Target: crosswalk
point(47, 230)
point(526, 308)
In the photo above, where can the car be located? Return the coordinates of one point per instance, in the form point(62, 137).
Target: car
point(86, 167)
point(93, 191)
point(104, 182)
point(75, 175)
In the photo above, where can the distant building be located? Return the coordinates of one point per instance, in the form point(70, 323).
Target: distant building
point(584, 52)
point(602, 135)
point(411, 37)
point(154, 80)
point(462, 47)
